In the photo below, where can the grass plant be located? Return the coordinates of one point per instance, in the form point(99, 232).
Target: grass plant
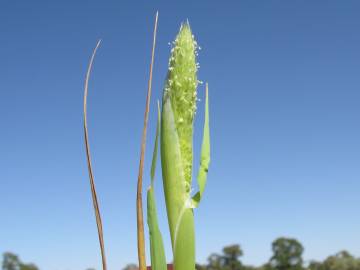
point(174, 131)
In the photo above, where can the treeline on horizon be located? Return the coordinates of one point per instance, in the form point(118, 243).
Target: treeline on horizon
point(287, 255)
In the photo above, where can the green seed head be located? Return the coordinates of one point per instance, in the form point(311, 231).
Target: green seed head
point(181, 87)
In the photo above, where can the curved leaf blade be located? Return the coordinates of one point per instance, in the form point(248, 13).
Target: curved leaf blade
point(157, 252)
point(205, 155)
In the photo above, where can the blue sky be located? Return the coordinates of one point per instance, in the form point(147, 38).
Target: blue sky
point(284, 99)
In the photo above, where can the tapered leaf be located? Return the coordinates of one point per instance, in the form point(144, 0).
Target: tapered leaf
point(157, 252)
point(180, 216)
point(205, 155)
point(154, 157)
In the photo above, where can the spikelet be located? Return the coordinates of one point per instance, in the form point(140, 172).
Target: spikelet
point(181, 87)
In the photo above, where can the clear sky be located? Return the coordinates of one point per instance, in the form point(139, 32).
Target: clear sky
point(284, 81)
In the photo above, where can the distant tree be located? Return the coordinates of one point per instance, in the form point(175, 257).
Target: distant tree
point(287, 254)
point(131, 266)
point(231, 257)
point(249, 267)
point(266, 266)
point(343, 260)
point(229, 260)
point(200, 266)
point(214, 262)
point(30, 266)
point(314, 265)
point(10, 261)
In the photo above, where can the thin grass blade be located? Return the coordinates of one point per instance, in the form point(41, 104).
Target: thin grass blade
point(205, 155)
point(139, 207)
point(156, 145)
point(157, 252)
point(91, 175)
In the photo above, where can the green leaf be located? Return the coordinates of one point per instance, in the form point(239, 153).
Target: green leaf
point(180, 216)
point(205, 155)
point(158, 260)
point(154, 157)
point(172, 169)
point(157, 252)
